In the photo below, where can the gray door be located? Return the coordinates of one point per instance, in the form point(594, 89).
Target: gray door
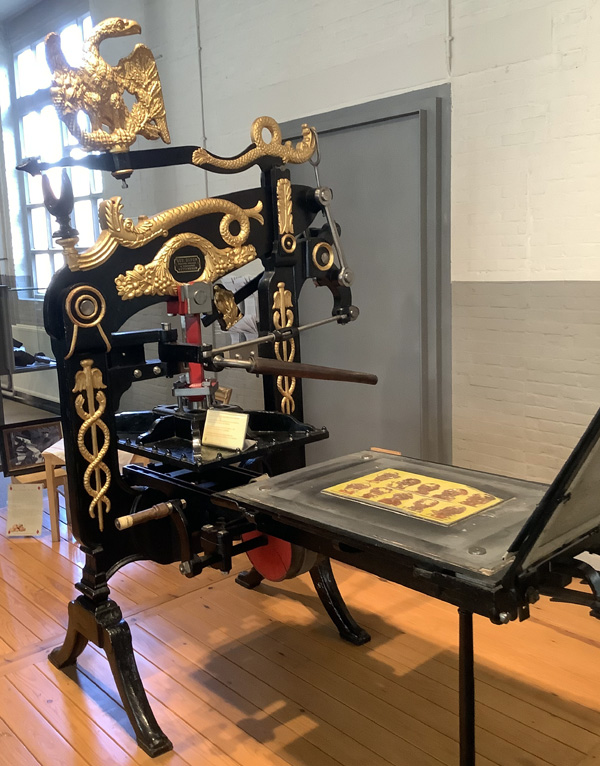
point(378, 159)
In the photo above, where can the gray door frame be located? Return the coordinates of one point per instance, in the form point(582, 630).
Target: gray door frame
point(432, 107)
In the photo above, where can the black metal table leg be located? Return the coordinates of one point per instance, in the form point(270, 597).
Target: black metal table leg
point(331, 598)
point(466, 688)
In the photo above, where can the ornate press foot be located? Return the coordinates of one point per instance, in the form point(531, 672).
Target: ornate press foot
point(74, 643)
point(249, 579)
point(331, 598)
point(104, 626)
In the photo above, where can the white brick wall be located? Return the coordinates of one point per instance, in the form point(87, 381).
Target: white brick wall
point(526, 141)
point(525, 193)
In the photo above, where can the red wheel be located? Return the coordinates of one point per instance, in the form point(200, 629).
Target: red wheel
point(279, 560)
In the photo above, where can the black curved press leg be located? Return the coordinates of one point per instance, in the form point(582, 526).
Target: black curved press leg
point(102, 623)
point(331, 598)
point(74, 643)
point(250, 578)
point(116, 642)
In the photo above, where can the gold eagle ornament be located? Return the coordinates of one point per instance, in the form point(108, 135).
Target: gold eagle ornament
point(97, 88)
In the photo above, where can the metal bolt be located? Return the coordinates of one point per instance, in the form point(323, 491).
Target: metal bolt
point(87, 307)
point(156, 370)
point(477, 550)
point(137, 374)
point(503, 618)
point(346, 277)
point(324, 194)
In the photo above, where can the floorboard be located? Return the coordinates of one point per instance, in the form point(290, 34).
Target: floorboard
point(261, 678)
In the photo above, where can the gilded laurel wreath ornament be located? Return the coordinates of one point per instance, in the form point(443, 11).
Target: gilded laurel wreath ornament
point(154, 278)
point(96, 88)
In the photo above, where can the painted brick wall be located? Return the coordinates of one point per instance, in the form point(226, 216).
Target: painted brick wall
point(526, 373)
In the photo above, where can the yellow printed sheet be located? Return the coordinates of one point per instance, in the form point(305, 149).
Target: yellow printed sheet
point(424, 496)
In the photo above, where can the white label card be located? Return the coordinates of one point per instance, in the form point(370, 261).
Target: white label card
point(225, 429)
point(25, 510)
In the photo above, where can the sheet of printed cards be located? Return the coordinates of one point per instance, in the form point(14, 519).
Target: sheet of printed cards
point(425, 496)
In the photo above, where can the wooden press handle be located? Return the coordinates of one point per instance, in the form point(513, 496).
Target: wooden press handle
point(262, 366)
point(158, 511)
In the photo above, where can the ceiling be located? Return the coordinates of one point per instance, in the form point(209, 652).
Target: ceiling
point(10, 8)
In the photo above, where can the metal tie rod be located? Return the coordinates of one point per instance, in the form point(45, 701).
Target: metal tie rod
point(277, 337)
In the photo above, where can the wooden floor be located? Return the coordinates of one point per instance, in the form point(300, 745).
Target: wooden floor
point(240, 678)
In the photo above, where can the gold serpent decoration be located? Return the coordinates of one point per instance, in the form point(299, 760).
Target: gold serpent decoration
point(97, 89)
point(303, 151)
point(285, 217)
point(118, 230)
point(285, 351)
point(89, 380)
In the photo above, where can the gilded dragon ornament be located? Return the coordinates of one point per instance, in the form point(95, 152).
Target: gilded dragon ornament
point(96, 88)
point(276, 147)
point(155, 278)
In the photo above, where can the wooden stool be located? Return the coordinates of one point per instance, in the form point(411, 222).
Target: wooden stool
point(55, 476)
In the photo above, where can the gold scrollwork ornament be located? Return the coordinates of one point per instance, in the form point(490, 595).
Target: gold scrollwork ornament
point(86, 308)
point(118, 230)
point(285, 216)
point(285, 351)
point(89, 381)
point(225, 304)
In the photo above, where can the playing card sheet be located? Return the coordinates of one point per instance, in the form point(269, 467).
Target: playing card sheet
point(427, 497)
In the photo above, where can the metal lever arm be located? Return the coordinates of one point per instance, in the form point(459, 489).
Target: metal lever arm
point(324, 195)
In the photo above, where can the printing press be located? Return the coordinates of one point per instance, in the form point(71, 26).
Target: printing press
point(489, 545)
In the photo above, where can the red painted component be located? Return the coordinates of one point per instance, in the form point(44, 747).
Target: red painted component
point(176, 307)
point(273, 560)
point(193, 329)
point(194, 335)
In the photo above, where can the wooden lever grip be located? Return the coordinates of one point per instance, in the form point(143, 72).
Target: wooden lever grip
point(262, 366)
point(158, 511)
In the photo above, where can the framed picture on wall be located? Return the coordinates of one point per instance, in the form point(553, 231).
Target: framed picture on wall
point(22, 444)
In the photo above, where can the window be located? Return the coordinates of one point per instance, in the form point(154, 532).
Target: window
point(41, 133)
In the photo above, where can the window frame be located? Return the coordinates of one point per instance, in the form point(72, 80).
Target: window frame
point(20, 106)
